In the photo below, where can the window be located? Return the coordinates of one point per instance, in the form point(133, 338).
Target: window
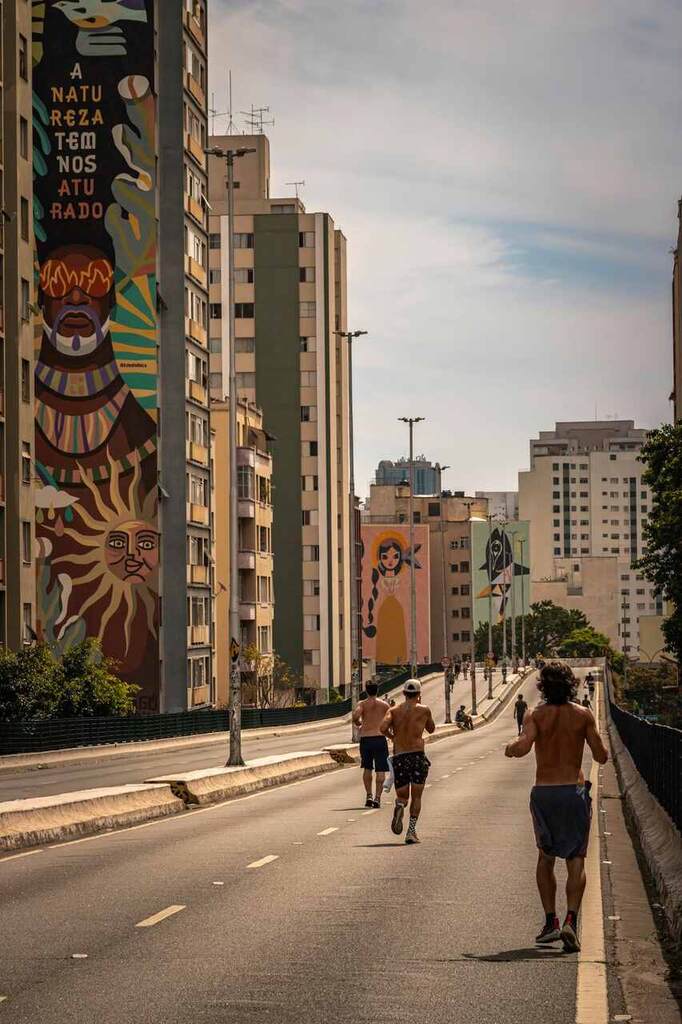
point(555, 481)
point(466, 613)
point(312, 448)
point(24, 218)
point(465, 590)
point(308, 413)
point(25, 301)
point(214, 275)
point(23, 58)
point(308, 344)
point(434, 508)
point(557, 551)
point(557, 536)
point(246, 380)
point(455, 637)
point(310, 517)
point(306, 239)
point(215, 310)
point(198, 489)
point(307, 309)
point(243, 310)
point(454, 567)
point(309, 483)
point(29, 635)
point(263, 539)
point(311, 588)
point(416, 517)
point(464, 567)
point(555, 465)
point(308, 379)
point(311, 657)
point(466, 636)
point(454, 591)
point(556, 494)
point(455, 613)
point(23, 137)
point(214, 240)
point(311, 552)
point(215, 345)
point(311, 623)
point(245, 482)
point(556, 508)
point(306, 274)
point(25, 380)
point(264, 639)
point(26, 543)
point(25, 462)
point(244, 345)
point(243, 275)
point(243, 240)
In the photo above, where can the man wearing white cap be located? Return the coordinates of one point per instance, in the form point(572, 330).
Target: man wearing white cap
point(406, 724)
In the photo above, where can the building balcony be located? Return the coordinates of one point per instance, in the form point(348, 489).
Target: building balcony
point(197, 574)
point(246, 457)
point(197, 514)
point(193, 147)
point(197, 392)
point(197, 453)
point(246, 559)
point(196, 332)
point(197, 636)
point(199, 695)
point(247, 611)
point(195, 90)
point(247, 508)
point(195, 30)
point(195, 210)
point(195, 271)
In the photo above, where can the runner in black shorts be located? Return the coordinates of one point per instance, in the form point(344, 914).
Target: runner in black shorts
point(368, 716)
point(406, 724)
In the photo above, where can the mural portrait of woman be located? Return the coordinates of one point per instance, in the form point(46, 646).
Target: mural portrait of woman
point(386, 594)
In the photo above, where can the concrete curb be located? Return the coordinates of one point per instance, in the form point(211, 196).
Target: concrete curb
point(659, 839)
point(49, 819)
point(210, 785)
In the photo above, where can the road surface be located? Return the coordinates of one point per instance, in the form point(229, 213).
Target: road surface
point(295, 904)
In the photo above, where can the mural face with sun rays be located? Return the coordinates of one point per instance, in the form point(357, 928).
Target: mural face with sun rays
point(96, 362)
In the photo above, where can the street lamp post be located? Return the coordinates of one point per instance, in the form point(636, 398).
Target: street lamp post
point(522, 542)
point(355, 631)
point(235, 754)
point(504, 596)
point(490, 605)
point(411, 420)
point(474, 703)
point(448, 709)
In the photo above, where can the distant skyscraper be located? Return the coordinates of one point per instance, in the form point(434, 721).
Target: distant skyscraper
point(427, 476)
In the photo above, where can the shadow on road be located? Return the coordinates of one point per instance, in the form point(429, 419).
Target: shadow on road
point(516, 955)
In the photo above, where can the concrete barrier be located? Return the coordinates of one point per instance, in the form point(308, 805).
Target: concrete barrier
point(49, 819)
point(211, 785)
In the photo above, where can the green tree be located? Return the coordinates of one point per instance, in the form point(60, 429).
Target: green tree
point(268, 680)
point(585, 642)
point(661, 561)
point(546, 626)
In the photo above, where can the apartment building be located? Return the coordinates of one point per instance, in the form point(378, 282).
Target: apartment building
point(17, 534)
point(427, 475)
point(448, 518)
point(585, 500)
point(290, 299)
point(122, 432)
point(504, 505)
point(255, 554)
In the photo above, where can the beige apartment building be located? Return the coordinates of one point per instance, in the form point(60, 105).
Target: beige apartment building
point(586, 503)
point(17, 473)
point(290, 299)
point(255, 555)
point(448, 518)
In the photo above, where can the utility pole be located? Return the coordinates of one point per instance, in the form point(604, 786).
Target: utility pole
point(446, 684)
point(513, 605)
point(235, 754)
point(522, 542)
point(504, 593)
point(354, 569)
point(474, 703)
point(411, 420)
point(490, 604)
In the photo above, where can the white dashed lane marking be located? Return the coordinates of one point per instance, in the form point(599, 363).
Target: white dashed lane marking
point(149, 922)
point(263, 861)
point(373, 811)
point(328, 831)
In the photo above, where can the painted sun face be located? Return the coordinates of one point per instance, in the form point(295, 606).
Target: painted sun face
point(132, 551)
point(390, 559)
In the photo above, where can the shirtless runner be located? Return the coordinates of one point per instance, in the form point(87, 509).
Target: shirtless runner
point(560, 803)
point(368, 716)
point(406, 724)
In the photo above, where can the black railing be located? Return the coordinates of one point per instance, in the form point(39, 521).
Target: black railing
point(60, 733)
point(657, 753)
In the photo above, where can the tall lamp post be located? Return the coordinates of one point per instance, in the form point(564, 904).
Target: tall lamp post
point(355, 632)
point(411, 420)
point(235, 755)
point(474, 702)
point(522, 542)
point(489, 517)
point(448, 709)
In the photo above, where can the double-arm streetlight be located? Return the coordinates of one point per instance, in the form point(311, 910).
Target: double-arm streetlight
point(235, 754)
point(411, 420)
point(355, 568)
point(446, 667)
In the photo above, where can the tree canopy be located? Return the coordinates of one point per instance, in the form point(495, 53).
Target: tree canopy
point(546, 625)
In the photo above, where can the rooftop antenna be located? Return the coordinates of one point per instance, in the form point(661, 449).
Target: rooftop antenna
point(295, 185)
point(231, 126)
point(255, 119)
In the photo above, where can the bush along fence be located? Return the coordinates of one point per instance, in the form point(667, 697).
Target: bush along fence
point(35, 736)
point(657, 754)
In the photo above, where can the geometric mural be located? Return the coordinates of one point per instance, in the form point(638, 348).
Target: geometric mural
point(500, 561)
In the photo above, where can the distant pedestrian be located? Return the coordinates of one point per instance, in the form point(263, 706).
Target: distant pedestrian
point(368, 716)
point(586, 702)
point(520, 708)
point(560, 802)
point(406, 724)
point(458, 668)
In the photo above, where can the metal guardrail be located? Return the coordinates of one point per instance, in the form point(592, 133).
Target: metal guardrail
point(34, 736)
point(657, 754)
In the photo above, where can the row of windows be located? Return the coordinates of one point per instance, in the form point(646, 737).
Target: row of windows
point(465, 637)
point(462, 567)
point(464, 590)
point(461, 613)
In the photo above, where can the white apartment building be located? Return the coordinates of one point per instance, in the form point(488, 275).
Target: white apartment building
point(584, 498)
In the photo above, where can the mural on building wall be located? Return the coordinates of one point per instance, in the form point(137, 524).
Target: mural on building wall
point(500, 564)
point(94, 162)
point(386, 559)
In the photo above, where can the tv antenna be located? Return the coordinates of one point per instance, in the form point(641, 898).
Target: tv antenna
point(296, 185)
point(255, 119)
point(231, 126)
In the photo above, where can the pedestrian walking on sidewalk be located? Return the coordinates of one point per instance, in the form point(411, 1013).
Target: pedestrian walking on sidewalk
point(520, 708)
point(560, 803)
point(368, 716)
point(406, 724)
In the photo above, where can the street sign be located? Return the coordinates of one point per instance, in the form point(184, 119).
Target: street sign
point(234, 649)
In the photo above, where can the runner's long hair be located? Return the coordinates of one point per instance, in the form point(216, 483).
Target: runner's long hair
point(557, 683)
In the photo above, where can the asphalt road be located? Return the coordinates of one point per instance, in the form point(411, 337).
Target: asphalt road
point(344, 923)
point(139, 764)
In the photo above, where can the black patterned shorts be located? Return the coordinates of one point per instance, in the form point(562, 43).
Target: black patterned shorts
point(410, 768)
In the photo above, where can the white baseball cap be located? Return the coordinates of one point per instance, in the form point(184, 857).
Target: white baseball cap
point(412, 686)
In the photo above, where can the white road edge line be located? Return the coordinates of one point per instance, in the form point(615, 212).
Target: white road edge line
point(263, 861)
point(15, 856)
point(148, 922)
point(328, 831)
point(592, 1002)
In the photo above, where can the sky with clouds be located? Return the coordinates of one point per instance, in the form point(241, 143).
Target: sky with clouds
point(507, 175)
